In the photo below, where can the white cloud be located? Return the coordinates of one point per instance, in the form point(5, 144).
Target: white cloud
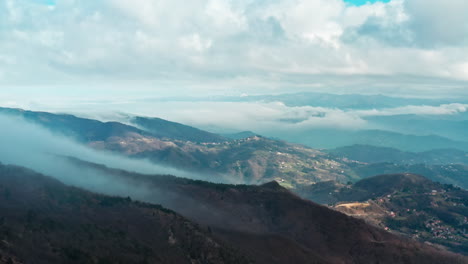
point(444, 109)
point(195, 42)
point(265, 117)
point(437, 23)
point(281, 43)
point(221, 116)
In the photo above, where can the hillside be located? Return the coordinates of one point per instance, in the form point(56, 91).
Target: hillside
point(245, 216)
point(81, 129)
point(250, 160)
point(373, 154)
point(44, 221)
point(161, 128)
point(403, 203)
point(254, 160)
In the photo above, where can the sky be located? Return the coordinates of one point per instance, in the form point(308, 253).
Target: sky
point(363, 2)
point(119, 49)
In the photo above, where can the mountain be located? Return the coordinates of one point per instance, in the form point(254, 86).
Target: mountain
point(396, 121)
point(449, 126)
point(82, 129)
point(161, 128)
point(454, 174)
point(335, 138)
point(271, 225)
point(44, 221)
point(373, 154)
point(250, 160)
point(343, 101)
point(250, 221)
point(403, 203)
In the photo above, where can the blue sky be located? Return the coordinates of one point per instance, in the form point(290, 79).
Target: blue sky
point(204, 47)
point(44, 2)
point(363, 2)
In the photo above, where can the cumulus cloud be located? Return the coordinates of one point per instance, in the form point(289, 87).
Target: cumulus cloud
point(225, 44)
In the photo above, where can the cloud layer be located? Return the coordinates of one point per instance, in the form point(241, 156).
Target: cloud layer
point(276, 117)
point(151, 46)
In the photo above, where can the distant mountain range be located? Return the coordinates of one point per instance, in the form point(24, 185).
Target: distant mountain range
point(373, 154)
point(409, 124)
point(404, 203)
point(334, 138)
point(390, 120)
point(449, 126)
point(454, 174)
point(343, 101)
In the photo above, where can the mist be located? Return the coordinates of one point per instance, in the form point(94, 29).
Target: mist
point(34, 147)
point(266, 118)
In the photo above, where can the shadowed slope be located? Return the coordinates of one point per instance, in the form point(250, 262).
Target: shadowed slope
point(241, 214)
point(44, 221)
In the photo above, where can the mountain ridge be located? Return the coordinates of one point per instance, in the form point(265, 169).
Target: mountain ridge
point(269, 209)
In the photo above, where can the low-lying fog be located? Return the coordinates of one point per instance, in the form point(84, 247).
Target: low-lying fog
point(32, 146)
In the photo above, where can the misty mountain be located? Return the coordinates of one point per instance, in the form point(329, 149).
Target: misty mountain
point(81, 129)
point(297, 231)
point(251, 160)
point(346, 101)
point(252, 220)
point(334, 138)
point(448, 126)
point(404, 203)
point(373, 154)
point(342, 101)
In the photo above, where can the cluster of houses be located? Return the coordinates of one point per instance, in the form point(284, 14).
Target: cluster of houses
point(438, 230)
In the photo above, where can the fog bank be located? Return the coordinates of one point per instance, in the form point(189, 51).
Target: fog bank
point(31, 146)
